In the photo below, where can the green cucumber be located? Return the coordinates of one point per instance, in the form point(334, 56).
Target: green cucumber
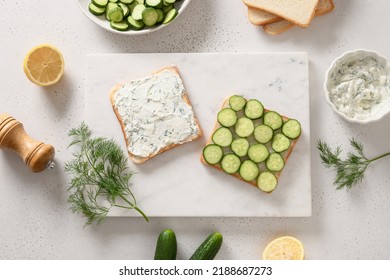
point(115, 14)
point(125, 9)
point(160, 15)
point(273, 119)
point(237, 102)
point(292, 129)
point(240, 146)
point(109, 7)
point(132, 6)
point(222, 137)
point(135, 24)
point(166, 248)
point(263, 133)
point(280, 143)
point(258, 153)
point(150, 16)
point(209, 247)
point(170, 15)
point(150, 13)
point(212, 154)
point(249, 170)
point(244, 127)
point(267, 181)
point(230, 163)
point(137, 11)
point(227, 117)
point(166, 9)
point(154, 3)
point(120, 26)
point(253, 109)
point(275, 162)
point(95, 10)
point(100, 3)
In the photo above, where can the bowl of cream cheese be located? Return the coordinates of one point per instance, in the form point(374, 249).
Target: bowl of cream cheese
point(357, 86)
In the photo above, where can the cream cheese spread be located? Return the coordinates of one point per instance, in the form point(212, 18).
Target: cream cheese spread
point(360, 87)
point(154, 113)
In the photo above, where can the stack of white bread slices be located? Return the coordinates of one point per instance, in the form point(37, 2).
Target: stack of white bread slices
point(277, 16)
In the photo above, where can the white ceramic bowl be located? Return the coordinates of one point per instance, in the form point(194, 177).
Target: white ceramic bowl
point(104, 23)
point(345, 58)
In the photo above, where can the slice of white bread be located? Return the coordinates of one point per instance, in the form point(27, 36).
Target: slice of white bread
point(260, 17)
point(123, 119)
point(324, 7)
point(285, 154)
point(300, 12)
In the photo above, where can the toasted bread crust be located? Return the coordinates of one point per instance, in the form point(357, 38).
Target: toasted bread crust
point(133, 157)
point(286, 154)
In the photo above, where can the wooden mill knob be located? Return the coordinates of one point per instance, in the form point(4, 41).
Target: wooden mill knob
point(37, 155)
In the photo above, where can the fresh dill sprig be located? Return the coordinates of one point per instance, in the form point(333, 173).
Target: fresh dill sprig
point(100, 177)
point(349, 171)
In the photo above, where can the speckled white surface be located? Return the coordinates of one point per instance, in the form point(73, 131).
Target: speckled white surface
point(35, 222)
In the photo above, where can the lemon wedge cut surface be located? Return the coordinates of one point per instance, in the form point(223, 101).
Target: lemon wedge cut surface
point(44, 65)
point(284, 248)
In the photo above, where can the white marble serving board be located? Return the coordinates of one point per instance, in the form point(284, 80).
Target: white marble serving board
point(176, 183)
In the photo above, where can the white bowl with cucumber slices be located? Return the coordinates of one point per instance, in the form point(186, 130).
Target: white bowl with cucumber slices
point(132, 17)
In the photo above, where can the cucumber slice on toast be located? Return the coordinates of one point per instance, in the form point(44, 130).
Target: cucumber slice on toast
point(244, 127)
point(292, 129)
point(273, 119)
point(249, 170)
point(237, 102)
point(280, 143)
point(230, 163)
point(258, 153)
point(240, 146)
point(253, 109)
point(212, 154)
point(267, 181)
point(222, 137)
point(275, 162)
point(227, 117)
point(263, 133)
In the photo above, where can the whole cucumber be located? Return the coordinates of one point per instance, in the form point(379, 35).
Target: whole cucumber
point(209, 248)
point(166, 248)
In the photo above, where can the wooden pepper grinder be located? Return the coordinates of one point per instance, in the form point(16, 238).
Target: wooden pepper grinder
point(37, 155)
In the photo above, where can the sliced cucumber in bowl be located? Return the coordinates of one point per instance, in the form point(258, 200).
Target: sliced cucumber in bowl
point(152, 13)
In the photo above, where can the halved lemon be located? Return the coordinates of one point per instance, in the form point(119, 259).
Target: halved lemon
point(44, 65)
point(284, 248)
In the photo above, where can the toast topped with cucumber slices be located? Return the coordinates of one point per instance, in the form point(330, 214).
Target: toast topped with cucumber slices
point(251, 143)
point(155, 114)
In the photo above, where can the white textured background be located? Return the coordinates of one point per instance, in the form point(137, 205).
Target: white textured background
point(35, 222)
